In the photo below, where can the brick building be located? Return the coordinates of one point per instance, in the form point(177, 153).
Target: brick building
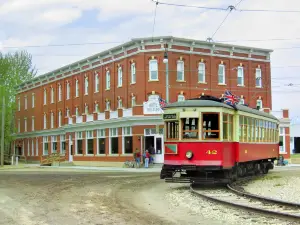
point(93, 110)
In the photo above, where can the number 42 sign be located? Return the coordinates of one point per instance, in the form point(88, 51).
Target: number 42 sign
point(211, 152)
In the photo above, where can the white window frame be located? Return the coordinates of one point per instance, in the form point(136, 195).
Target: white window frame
point(120, 76)
point(54, 140)
point(180, 98)
point(45, 96)
point(133, 101)
point(180, 70)
point(19, 125)
point(59, 93)
point(52, 95)
point(86, 85)
point(19, 104)
point(201, 72)
point(67, 112)
point(86, 109)
point(37, 147)
point(78, 136)
point(45, 140)
point(32, 147)
point(25, 102)
point(32, 123)
point(258, 78)
point(107, 105)
point(88, 136)
point(153, 67)
point(125, 133)
point(133, 73)
point(242, 101)
point(96, 107)
point(59, 118)
point(240, 74)
point(221, 73)
point(76, 111)
point(62, 139)
point(113, 132)
point(68, 91)
point(28, 147)
point(76, 88)
point(259, 102)
point(107, 80)
point(52, 120)
point(45, 121)
point(32, 100)
point(25, 124)
point(100, 134)
point(120, 103)
point(96, 82)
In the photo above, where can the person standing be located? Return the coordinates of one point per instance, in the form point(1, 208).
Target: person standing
point(137, 157)
point(147, 157)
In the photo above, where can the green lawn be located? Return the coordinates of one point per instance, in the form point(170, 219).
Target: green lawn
point(295, 156)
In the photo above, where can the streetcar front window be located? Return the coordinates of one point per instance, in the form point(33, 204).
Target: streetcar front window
point(190, 128)
point(172, 130)
point(210, 126)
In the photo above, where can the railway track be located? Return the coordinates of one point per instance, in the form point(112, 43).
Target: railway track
point(240, 199)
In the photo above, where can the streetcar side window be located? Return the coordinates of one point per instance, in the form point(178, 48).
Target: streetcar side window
point(227, 127)
point(190, 128)
point(172, 129)
point(210, 126)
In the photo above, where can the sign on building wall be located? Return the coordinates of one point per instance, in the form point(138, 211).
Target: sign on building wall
point(152, 106)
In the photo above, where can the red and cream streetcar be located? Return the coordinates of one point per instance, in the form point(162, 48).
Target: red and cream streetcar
point(209, 141)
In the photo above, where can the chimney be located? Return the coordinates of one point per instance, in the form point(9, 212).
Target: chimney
point(267, 110)
point(285, 113)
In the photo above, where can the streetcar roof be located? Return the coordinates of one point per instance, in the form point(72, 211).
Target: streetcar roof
point(211, 103)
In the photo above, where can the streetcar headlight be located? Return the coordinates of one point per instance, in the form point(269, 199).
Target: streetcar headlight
point(189, 154)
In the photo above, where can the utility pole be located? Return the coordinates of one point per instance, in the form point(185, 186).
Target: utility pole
point(2, 130)
point(166, 61)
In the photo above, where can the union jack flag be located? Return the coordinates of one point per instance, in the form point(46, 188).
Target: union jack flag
point(231, 99)
point(162, 103)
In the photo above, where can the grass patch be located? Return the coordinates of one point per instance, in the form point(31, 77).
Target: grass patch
point(269, 177)
point(277, 185)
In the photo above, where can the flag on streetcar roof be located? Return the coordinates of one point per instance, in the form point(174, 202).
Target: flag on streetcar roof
point(230, 99)
point(162, 103)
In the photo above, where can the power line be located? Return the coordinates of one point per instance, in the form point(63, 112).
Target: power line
point(154, 19)
point(211, 38)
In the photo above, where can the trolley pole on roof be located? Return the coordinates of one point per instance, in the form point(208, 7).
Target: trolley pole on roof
point(166, 61)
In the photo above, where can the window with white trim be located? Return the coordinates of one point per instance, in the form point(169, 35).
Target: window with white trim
point(25, 102)
point(221, 74)
point(45, 145)
point(120, 77)
point(53, 144)
point(32, 100)
point(28, 148)
point(25, 124)
point(133, 73)
point(240, 76)
point(107, 80)
point(36, 147)
point(59, 118)
point(76, 111)
point(67, 112)
point(259, 103)
point(96, 82)
point(180, 70)
point(63, 144)
point(153, 70)
point(77, 88)
point(133, 101)
point(242, 101)
point(96, 107)
point(19, 125)
point(59, 92)
point(19, 104)
point(201, 72)
point(52, 95)
point(86, 85)
point(281, 131)
point(107, 105)
point(86, 109)
point(45, 96)
point(180, 98)
point(90, 142)
point(45, 121)
point(113, 141)
point(127, 140)
point(79, 143)
point(68, 90)
point(52, 120)
point(32, 147)
point(258, 79)
point(32, 123)
point(101, 141)
point(120, 105)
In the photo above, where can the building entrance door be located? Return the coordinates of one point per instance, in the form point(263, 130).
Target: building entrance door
point(70, 149)
point(155, 140)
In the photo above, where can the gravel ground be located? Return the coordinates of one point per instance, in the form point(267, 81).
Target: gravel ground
point(67, 197)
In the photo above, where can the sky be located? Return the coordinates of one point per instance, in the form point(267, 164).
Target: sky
point(37, 26)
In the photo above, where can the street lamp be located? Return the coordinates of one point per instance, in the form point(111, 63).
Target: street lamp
point(166, 61)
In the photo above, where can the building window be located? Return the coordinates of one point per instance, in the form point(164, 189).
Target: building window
point(63, 144)
point(45, 121)
point(19, 104)
point(25, 101)
point(120, 105)
point(96, 107)
point(45, 97)
point(68, 112)
point(240, 76)
point(201, 73)
point(68, 90)
point(19, 126)
point(59, 118)
point(90, 142)
point(28, 148)
point(96, 82)
point(32, 123)
point(86, 85)
point(52, 95)
point(25, 124)
point(127, 140)
point(120, 77)
point(45, 146)
point(86, 109)
point(113, 141)
point(180, 70)
point(52, 120)
point(133, 101)
point(107, 105)
point(180, 98)
point(79, 143)
point(242, 101)
point(77, 88)
point(133, 73)
point(221, 74)
point(258, 81)
point(59, 92)
point(101, 141)
point(259, 104)
point(107, 80)
point(32, 100)
point(54, 144)
point(153, 69)
point(76, 111)
point(281, 130)
point(37, 147)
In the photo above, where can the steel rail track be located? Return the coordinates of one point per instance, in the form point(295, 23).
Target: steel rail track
point(254, 203)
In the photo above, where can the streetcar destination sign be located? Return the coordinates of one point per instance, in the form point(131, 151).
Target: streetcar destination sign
point(169, 116)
